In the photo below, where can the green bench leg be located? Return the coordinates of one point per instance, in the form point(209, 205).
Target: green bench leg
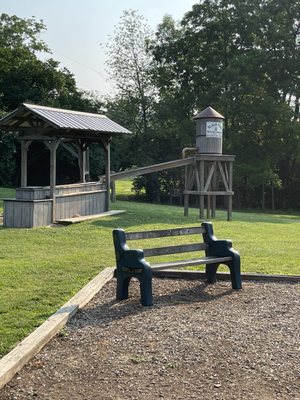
point(122, 286)
point(211, 272)
point(235, 272)
point(145, 281)
point(146, 287)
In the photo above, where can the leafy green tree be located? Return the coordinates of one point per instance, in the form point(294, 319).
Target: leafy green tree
point(26, 78)
point(130, 68)
point(18, 41)
point(241, 57)
point(129, 65)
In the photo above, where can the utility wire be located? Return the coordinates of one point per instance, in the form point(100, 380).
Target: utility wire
point(80, 63)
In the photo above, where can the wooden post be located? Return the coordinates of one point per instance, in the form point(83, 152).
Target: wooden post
point(87, 164)
point(201, 197)
point(185, 195)
point(83, 165)
point(208, 199)
point(24, 161)
point(107, 174)
point(208, 204)
point(229, 210)
point(53, 146)
point(214, 198)
point(81, 161)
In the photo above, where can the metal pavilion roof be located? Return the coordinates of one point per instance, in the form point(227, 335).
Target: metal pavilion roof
point(61, 119)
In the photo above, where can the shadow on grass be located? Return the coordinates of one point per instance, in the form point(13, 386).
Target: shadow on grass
point(141, 214)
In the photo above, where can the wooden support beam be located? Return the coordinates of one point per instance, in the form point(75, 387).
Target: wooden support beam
point(201, 196)
point(70, 149)
point(202, 193)
point(229, 210)
point(208, 205)
point(208, 172)
point(214, 198)
point(81, 160)
point(52, 145)
point(24, 161)
point(211, 172)
point(223, 176)
point(214, 157)
point(191, 176)
point(198, 184)
point(23, 164)
point(82, 155)
point(87, 162)
point(106, 146)
point(226, 171)
point(153, 168)
point(186, 195)
point(210, 167)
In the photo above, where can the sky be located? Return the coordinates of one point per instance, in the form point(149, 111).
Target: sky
point(77, 30)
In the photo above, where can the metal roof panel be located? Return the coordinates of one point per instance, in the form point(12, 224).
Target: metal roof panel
point(209, 112)
point(67, 119)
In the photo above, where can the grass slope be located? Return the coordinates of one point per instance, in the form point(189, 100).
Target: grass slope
point(6, 193)
point(41, 268)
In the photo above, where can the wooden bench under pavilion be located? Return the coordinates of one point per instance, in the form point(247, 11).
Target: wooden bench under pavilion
point(43, 205)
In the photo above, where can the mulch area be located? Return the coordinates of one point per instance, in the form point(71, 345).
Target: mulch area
point(198, 341)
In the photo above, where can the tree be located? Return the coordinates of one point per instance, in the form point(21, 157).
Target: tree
point(18, 41)
point(130, 68)
point(240, 57)
point(26, 78)
point(129, 65)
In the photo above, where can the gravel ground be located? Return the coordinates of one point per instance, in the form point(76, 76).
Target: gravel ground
point(197, 342)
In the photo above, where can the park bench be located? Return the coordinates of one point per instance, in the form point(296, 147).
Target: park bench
point(131, 263)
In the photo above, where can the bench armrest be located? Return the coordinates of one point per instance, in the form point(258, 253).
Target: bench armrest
point(126, 257)
point(133, 259)
point(216, 247)
point(220, 248)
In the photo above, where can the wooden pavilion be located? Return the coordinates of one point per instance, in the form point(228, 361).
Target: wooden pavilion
point(42, 205)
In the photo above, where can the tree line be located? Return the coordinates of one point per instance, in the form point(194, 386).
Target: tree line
point(24, 77)
point(240, 57)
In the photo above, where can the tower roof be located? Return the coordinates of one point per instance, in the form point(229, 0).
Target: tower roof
point(209, 112)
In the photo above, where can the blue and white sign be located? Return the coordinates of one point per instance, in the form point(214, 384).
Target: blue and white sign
point(214, 129)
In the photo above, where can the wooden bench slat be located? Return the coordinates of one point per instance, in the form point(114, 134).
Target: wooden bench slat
point(165, 232)
point(183, 248)
point(190, 262)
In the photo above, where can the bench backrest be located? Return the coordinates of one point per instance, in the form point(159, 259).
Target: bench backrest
point(159, 251)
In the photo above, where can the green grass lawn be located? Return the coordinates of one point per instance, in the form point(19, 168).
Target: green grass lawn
point(124, 188)
point(6, 193)
point(41, 268)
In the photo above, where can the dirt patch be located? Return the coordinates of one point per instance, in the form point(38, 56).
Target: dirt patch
point(196, 342)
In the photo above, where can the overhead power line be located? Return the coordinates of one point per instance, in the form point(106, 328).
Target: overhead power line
point(80, 63)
